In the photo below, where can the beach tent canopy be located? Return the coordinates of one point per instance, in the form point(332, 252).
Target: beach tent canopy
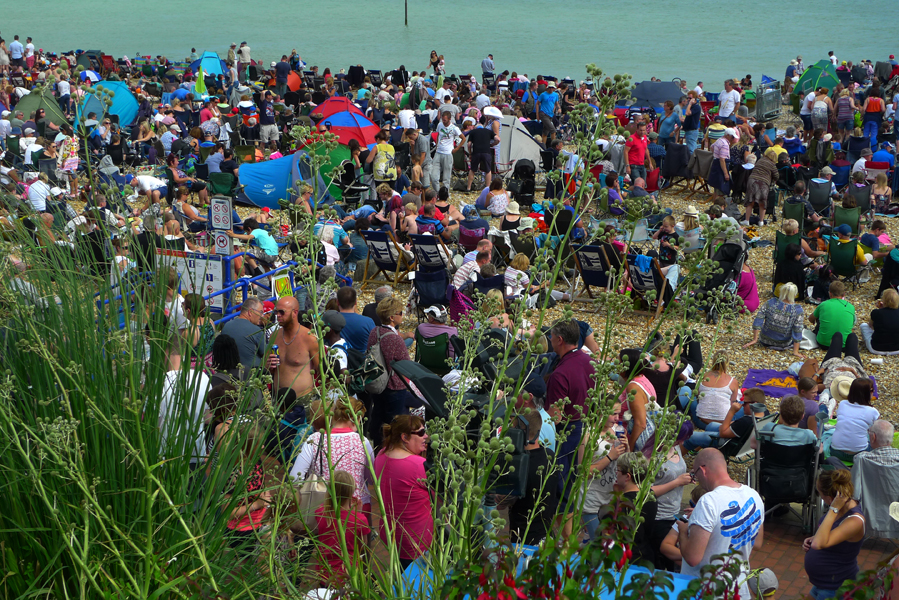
point(335, 104)
point(124, 104)
point(349, 125)
point(335, 157)
point(516, 143)
point(655, 93)
point(211, 63)
point(294, 81)
point(42, 98)
point(820, 74)
point(267, 182)
point(90, 59)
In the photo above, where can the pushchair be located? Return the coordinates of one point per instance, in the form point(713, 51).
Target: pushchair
point(720, 290)
point(523, 182)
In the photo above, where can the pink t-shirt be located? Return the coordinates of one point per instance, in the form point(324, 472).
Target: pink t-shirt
point(721, 149)
point(404, 488)
point(330, 567)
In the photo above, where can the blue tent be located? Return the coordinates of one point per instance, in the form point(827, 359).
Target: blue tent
point(267, 182)
point(211, 63)
point(124, 104)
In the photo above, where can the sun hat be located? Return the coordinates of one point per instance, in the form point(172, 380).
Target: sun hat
point(731, 132)
point(526, 223)
point(764, 584)
point(175, 127)
point(839, 387)
point(512, 208)
point(827, 137)
point(492, 111)
point(866, 152)
point(827, 171)
point(233, 44)
point(653, 135)
point(794, 62)
point(691, 211)
point(334, 320)
point(274, 64)
point(55, 191)
point(551, 85)
point(894, 511)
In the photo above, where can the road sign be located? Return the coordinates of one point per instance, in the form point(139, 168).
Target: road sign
point(222, 243)
point(221, 213)
point(199, 273)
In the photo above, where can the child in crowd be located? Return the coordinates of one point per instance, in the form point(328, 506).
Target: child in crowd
point(416, 167)
point(786, 430)
point(408, 225)
point(330, 566)
point(667, 241)
point(669, 547)
point(808, 391)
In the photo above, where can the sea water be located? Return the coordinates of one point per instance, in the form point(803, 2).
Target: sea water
point(707, 40)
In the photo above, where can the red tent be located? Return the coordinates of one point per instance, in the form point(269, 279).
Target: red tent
point(293, 81)
point(349, 125)
point(335, 104)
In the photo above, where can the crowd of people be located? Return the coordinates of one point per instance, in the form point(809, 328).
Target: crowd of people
point(382, 438)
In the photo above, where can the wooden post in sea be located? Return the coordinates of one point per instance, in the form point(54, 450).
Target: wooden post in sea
point(406, 4)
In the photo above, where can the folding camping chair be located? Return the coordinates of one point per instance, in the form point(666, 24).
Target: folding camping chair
point(201, 171)
point(432, 352)
point(819, 196)
point(482, 285)
point(388, 258)
point(847, 216)
point(429, 288)
point(841, 256)
point(793, 210)
point(875, 168)
point(642, 283)
point(503, 253)
point(350, 186)
point(862, 197)
point(781, 241)
point(469, 238)
point(598, 266)
point(245, 154)
point(431, 254)
point(431, 386)
point(221, 184)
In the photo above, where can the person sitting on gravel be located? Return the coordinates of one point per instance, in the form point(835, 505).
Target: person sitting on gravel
point(778, 324)
point(881, 333)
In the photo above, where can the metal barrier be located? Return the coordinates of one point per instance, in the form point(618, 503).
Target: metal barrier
point(768, 101)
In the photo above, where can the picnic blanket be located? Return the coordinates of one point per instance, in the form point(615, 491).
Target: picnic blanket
point(777, 384)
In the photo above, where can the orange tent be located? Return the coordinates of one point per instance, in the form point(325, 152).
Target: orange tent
point(293, 81)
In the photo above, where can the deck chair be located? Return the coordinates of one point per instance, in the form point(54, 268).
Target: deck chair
point(701, 166)
point(432, 352)
point(431, 254)
point(221, 184)
point(841, 257)
point(877, 487)
point(598, 266)
point(874, 168)
point(388, 258)
point(848, 216)
point(48, 168)
point(819, 196)
point(653, 281)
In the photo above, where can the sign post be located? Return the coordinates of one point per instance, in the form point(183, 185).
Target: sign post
point(222, 243)
point(221, 214)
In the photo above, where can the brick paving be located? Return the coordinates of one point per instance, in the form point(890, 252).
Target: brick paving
point(782, 553)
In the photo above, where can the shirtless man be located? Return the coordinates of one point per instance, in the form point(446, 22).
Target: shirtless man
point(297, 357)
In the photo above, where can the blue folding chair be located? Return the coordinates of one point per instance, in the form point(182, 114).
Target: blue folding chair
point(431, 254)
point(598, 266)
point(382, 248)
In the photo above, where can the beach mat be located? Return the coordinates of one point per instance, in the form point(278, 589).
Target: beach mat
point(777, 384)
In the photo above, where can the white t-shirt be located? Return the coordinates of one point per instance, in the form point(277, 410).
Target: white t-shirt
point(244, 54)
point(729, 101)
point(853, 421)
point(804, 109)
point(483, 101)
point(145, 183)
point(833, 59)
point(698, 90)
point(29, 49)
point(733, 516)
point(407, 119)
point(446, 137)
point(599, 490)
point(63, 88)
point(181, 413)
point(859, 164)
point(37, 195)
point(444, 94)
point(175, 309)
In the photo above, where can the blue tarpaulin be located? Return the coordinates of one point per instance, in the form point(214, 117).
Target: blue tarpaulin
point(767, 80)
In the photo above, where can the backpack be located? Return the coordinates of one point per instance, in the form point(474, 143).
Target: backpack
point(530, 105)
point(372, 376)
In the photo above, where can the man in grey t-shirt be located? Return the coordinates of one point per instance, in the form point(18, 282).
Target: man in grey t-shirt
point(420, 145)
point(246, 330)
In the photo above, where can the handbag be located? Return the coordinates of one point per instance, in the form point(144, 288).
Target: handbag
point(313, 492)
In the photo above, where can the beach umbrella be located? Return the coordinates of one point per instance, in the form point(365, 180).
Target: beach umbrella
point(348, 125)
point(820, 74)
point(293, 81)
point(655, 93)
point(92, 75)
point(335, 104)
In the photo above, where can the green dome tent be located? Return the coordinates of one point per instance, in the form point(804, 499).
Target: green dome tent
point(42, 98)
point(820, 74)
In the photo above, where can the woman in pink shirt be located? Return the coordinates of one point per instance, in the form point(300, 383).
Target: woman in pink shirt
point(404, 487)
point(748, 288)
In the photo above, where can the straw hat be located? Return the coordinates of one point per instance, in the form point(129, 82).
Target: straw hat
point(691, 211)
point(512, 208)
point(839, 387)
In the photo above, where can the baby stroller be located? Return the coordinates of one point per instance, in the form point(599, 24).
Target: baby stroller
point(523, 182)
point(720, 290)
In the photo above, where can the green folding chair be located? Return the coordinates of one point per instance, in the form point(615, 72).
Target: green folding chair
point(781, 241)
point(849, 216)
point(221, 184)
point(841, 256)
point(245, 154)
point(432, 352)
point(794, 210)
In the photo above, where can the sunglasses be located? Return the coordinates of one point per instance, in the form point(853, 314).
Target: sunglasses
point(420, 433)
point(281, 313)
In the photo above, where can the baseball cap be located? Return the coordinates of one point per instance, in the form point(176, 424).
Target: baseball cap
point(6, 113)
point(536, 386)
point(886, 145)
point(437, 311)
point(731, 132)
point(827, 171)
point(334, 320)
point(843, 229)
point(765, 583)
point(274, 64)
point(28, 130)
point(268, 306)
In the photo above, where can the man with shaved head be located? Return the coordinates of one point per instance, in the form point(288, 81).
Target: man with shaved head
point(297, 356)
point(728, 518)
